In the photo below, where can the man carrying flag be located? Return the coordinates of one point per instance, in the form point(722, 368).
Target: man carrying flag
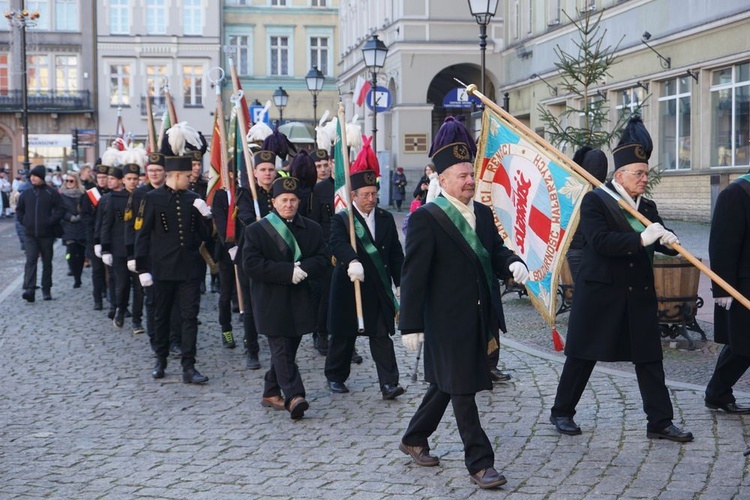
point(453, 254)
point(89, 207)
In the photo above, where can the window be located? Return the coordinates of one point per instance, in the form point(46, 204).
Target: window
point(119, 85)
point(530, 20)
point(66, 15)
point(319, 53)
point(279, 55)
point(674, 124)
point(553, 12)
point(119, 17)
point(41, 6)
point(4, 72)
point(4, 7)
point(192, 17)
point(318, 3)
point(38, 74)
point(587, 5)
point(156, 17)
point(278, 3)
point(192, 86)
point(730, 108)
point(156, 77)
point(516, 25)
point(237, 2)
point(66, 73)
point(241, 44)
point(631, 100)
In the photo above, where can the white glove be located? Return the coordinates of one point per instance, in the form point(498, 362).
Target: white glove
point(412, 340)
point(298, 275)
point(232, 252)
point(725, 302)
point(652, 233)
point(202, 207)
point(355, 271)
point(98, 251)
point(520, 273)
point(146, 279)
point(131, 265)
point(398, 293)
point(107, 259)
point(668, 238)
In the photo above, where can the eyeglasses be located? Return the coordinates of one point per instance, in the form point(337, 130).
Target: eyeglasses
point(640, 174)
point(70, 181)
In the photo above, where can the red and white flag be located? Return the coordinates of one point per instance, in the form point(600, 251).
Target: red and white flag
point(360, 90)
point(94, 195)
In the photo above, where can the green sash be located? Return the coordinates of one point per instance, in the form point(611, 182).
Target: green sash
point(372, 252)
point(285, 234)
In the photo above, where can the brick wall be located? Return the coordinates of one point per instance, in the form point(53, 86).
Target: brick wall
point(685, 197)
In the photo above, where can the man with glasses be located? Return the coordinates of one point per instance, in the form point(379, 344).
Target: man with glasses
point(376, 264)
point(614, 314)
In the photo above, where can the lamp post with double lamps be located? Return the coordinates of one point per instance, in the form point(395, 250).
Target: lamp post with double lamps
point(280, 98)
point(314, 81)
point(374, 53)
point(483, 11)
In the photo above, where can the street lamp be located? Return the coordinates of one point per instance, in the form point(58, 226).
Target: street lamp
point(483, 11)
point(22, 19)
point(280, 98)
point(315, 80)
point(374, 53)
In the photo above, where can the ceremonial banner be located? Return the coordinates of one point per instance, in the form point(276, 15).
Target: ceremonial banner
point(535, 198)
point(341, 197)
point(214, 175)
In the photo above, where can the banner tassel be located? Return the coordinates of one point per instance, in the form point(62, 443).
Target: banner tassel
point(557, 340)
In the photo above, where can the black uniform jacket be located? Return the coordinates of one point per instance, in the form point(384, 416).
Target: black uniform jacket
point(167, 243)
point(245, 215)
point(139, 209)
point(114, 225)
point(614, 305)
point(442, 295)
point(342, 314)
point(321, 205)
point(280, 308)
point(729, 252)
point(88, 214)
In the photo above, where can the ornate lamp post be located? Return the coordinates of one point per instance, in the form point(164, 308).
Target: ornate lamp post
point(315, 80)
point(22, 19)
point(280, 98)
point(483, 11)
point(374, 53)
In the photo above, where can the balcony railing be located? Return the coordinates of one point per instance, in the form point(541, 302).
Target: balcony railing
point(47, 101)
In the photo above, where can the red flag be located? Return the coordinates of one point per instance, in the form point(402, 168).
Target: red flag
point(366, 85)
point(214, 177)
point(557, 340)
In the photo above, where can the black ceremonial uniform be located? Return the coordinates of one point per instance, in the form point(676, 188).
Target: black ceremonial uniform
point(109, 275)
point(322, 211)
point(88, 217)
point(166, 246)
point(131, 229)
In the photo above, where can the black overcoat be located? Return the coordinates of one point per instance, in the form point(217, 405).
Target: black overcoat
point(444, 295)
point(342, 314)
point(73, 231)
point(729, 252)
point(614, 304)
point(281, 308)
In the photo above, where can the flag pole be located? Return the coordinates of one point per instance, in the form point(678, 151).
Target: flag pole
point(249, 165)
point(552, 151)
point(150, 122)
point(350, 213)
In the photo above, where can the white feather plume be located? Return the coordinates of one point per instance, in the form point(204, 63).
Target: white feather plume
point(354, 134)
point(258, 132)
point(182, 134)
point(112, 157)
point(135, 155)
point(325, 135)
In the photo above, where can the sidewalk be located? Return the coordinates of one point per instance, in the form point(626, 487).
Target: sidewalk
point(82, 418)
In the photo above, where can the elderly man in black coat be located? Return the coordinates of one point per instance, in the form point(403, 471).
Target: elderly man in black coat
point(377, 265)
point(614, 315)
point(280, 253)
point(453, 252)
point(729, 251)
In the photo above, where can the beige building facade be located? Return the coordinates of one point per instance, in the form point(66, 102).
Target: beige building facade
point(696, 106)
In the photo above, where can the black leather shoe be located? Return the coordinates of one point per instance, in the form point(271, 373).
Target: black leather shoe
point(138, 328)
point(252, 362)
point(392, 391)
point(159, 368)
point(297, 407)
point(672, 433)
point(46, 295)
point(498, 376)
point(732, 407)
point(320, 341)
point(111, 313)
point(193, 376)
point(98, 306)
point(356, 358)
point(175, 351)
point(28, 295)
point(119, 320)
point(565, 425)
point(488, 478)
point(338, 387)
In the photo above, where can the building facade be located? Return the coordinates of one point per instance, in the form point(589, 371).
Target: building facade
point(147, 47)
point(61, 79)
point(275, 43)
point(693, 96)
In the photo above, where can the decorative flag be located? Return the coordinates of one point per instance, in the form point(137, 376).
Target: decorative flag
point(361, 89)
point(536, 200)
point(339, 173)
point(214, 177)
point(94, 196)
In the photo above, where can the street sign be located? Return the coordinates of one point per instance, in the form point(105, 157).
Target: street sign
point(255, 112)
point(86, 137)
point(382, 99)
point(459, 98)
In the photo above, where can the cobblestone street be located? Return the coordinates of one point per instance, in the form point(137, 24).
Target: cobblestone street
point(81, 417)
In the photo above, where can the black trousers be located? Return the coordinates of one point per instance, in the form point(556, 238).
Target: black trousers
point(656, 403)
point(321, 289)
point(228, 284)
point(283, 375)
point(98, 283)
point(126, 281)
point(33, 247)
point(729, 368)
point(148, 299)
point(248, 318)
point(111, 280)
point(186, 294)
point(76, 257)
point(339, 357)
point(478, 452)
